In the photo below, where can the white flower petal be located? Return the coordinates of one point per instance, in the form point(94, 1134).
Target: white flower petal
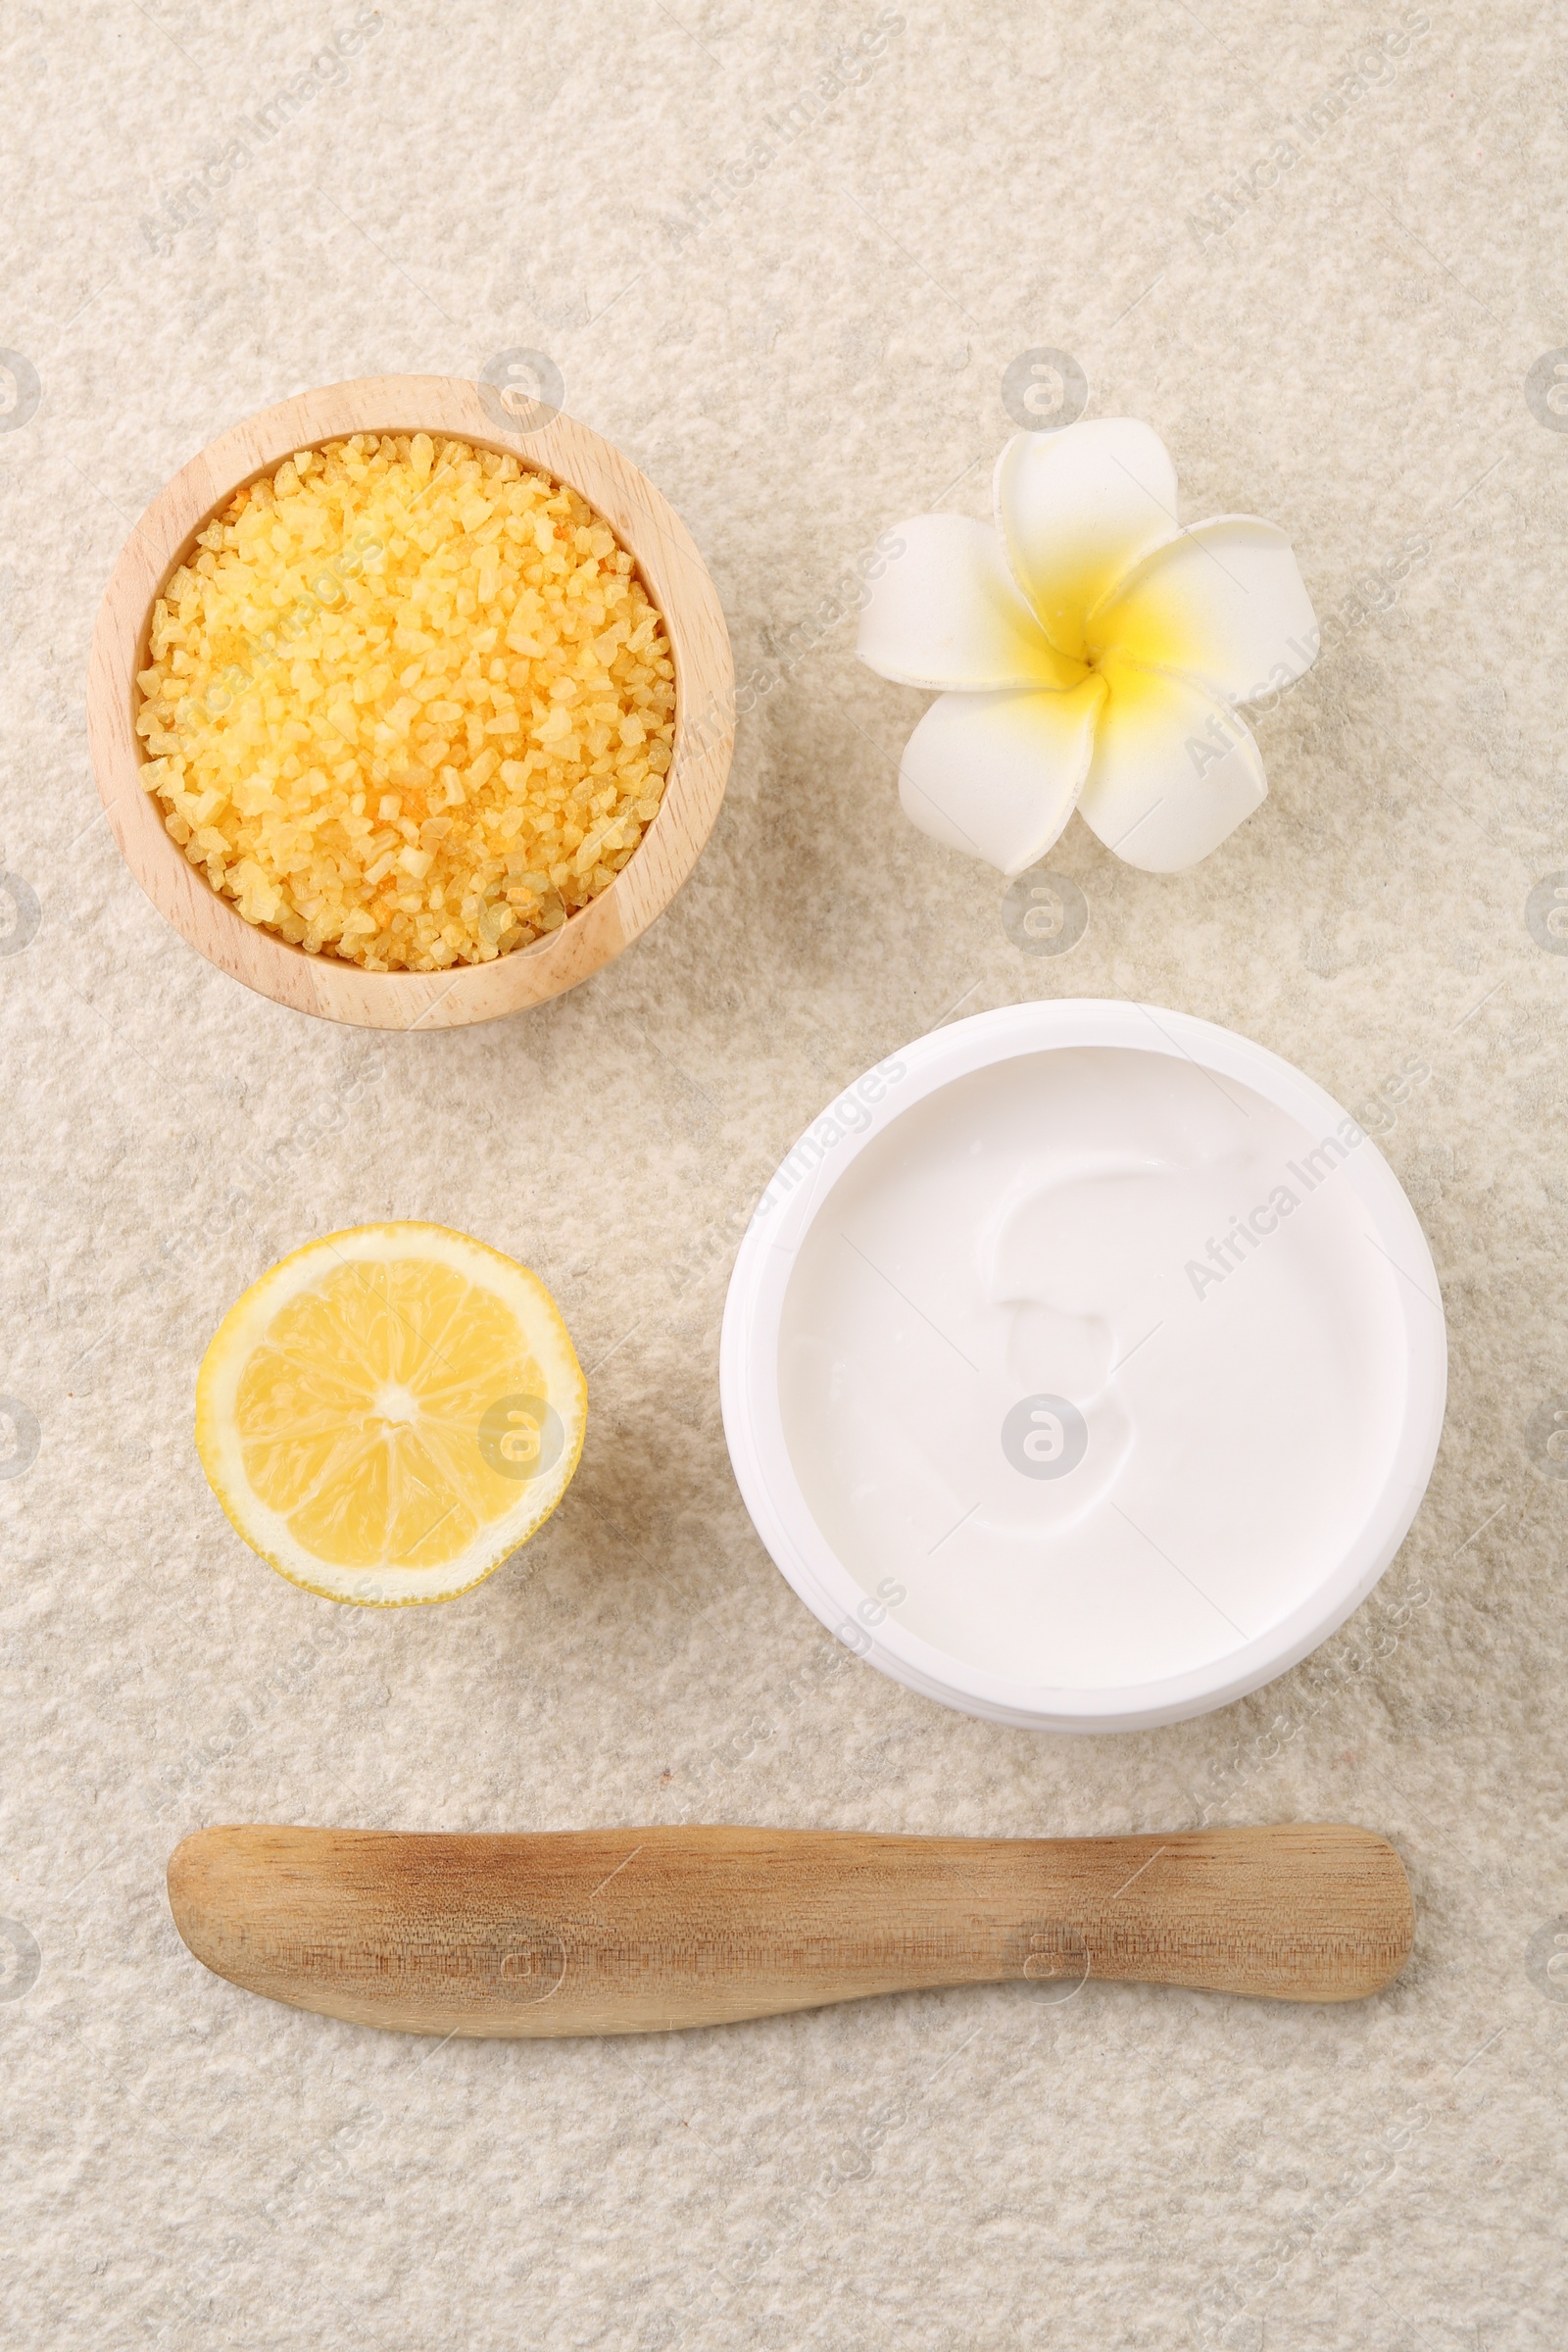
point(1174, 770)
point(997, 774)
point(1223, 603)
point(1077, 508)
point(946, 612)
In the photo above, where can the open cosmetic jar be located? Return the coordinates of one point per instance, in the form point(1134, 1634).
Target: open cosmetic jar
point(1083, 1366)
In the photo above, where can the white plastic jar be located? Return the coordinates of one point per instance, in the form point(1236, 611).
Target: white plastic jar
point(1083, 1366)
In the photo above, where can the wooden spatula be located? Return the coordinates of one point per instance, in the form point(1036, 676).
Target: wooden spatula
point(639, 1931)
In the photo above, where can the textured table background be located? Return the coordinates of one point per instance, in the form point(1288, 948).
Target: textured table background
point(784, 261)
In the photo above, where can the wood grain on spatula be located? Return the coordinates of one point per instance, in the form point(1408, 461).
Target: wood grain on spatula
point(639, 1931)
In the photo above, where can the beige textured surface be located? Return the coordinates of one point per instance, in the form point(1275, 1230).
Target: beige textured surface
point(798, 361)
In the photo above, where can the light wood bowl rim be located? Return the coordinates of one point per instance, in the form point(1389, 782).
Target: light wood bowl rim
point(671, 570)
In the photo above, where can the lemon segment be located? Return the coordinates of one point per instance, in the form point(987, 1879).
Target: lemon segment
point(389, 1412)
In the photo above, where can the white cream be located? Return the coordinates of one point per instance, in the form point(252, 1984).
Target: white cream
point(1183, 1271)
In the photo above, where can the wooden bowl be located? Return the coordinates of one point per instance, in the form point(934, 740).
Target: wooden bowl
point(671, 571)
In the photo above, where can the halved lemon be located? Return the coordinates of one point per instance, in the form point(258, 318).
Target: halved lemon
point(389, 1412)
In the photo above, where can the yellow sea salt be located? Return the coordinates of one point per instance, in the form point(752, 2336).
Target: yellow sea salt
point(408, 703)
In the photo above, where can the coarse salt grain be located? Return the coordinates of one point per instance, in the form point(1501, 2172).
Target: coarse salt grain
point(408, 704)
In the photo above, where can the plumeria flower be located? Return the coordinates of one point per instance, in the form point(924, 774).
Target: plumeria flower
point(1091, 653)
